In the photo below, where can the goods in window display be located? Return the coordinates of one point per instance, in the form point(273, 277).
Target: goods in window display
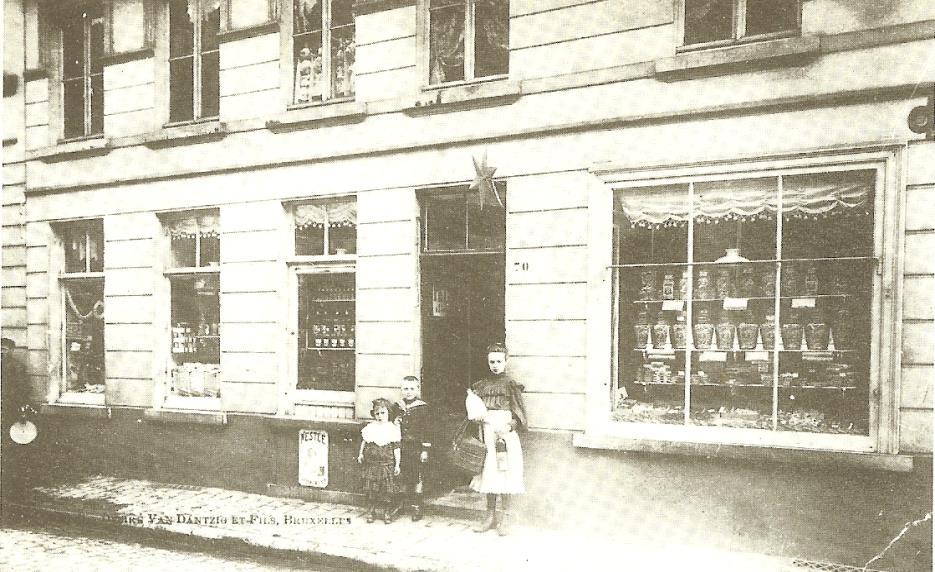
point(642, 329)
point(703, 330)
point(668, 286)
point(683, 285)
point(768, 281)
point(723, 283)
point(768, 332)
point(661, 333)
point(747, 286)
point(679, 332)
point(811, 280)
point(724, 331)
point(817, 333)
point(747, 333)
point(789, 280)
point(648, 285)
point(703, 287)
point(791, 333)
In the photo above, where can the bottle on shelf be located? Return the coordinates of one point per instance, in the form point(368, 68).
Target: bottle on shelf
point(768, 332)
point(683, 285)
point(724, 330)
point(768, 281)
point(703, 289)
point(747, 281)
point(642, 328)
point(791, 332)
point(679, 332)
point(668, 286)
point(660, 332)
point(703, 330)
point(722, 283)
point(811, 280)
point(789, 279)
point(648, 285)
point(747, 332)
point(842, 330)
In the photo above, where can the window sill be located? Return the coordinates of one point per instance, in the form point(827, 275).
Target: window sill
point(633, 437)
point(323, 260)
point(294, 423)
point(194, 270)
point(126, 57)
point(63, 407)
point(364, 7)
point(186, 416)
point(720, 60)
point(487, 92)
point(92, 146)
point(248, 32)
point(174, 134)
point(333, 112)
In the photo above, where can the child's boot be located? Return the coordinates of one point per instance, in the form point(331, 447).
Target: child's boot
point(388, 512)
point(371, 513)
point(490, 520)
point(503, 523)
point(417, 505)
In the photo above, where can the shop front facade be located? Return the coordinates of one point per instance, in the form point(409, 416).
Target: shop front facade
point(682, 257)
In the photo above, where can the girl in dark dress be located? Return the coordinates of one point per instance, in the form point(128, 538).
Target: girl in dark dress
point(379, 459)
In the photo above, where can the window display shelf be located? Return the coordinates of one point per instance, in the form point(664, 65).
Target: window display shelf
point(325, 300)
point(329, 349)
point(660, 352)
point(749, 298)
point(841, 388)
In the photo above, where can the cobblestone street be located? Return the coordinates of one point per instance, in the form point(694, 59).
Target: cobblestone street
point(31, 550)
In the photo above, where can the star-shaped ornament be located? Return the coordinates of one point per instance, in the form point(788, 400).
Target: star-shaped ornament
point(484, 183)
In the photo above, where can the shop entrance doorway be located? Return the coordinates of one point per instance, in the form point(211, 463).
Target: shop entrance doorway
point(462, 313)
point(462, 288)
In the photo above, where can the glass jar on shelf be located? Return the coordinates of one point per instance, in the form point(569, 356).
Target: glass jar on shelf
point(724, 330)
point(648, 285)
point(747, 332)
point(642, 329)
point(789, 279)
point(816, 332)
point(660, 332)
point(791, 332)
point(723, 283)
point(668, 286)
point(768, 332)
point(811, 280)
point(703, 330)
point(703, 286)
point(679, 332)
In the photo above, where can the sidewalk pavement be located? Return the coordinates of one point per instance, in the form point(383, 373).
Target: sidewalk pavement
point(340, 532)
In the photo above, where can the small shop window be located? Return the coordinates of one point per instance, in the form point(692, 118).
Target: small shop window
point(747, 303)
point(323, 44)
point(718, 21)
point(468, 39)
point(461, 219)
point(83, 72)
point(82, 290)
point(327, 331)
point(194, 59)
point(326, 228)
point(195, 310)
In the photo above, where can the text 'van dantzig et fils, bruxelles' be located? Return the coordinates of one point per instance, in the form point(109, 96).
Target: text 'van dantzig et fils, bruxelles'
point(152, 518)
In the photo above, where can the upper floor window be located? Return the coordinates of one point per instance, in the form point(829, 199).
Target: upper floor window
point(323, 49)
point(83, 72)
point(468, 39)
point(193, 59)
point(195, 242)
point(326, 228)
point(708, 21)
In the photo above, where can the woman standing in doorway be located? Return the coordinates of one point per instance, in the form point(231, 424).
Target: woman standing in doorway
point(502, 474)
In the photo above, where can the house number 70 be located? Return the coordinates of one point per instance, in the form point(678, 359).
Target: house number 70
point(524, 266)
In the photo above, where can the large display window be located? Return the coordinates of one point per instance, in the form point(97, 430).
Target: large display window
point(746, 302)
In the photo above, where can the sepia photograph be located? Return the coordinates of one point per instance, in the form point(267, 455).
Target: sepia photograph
point(537, 285)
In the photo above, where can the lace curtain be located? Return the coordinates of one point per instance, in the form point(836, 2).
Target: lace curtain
point(495, 27)
point(446, 44)
point(804, 196)
point(207, 6)
point(205, 225)
point(341, 214)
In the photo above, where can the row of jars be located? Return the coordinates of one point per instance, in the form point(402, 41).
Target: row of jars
point(747, 333)
point(738, 281)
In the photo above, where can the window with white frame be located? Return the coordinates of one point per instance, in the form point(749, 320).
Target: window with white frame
point(195, 310)
point(194, 59)
point(724, 21)
point(82, 289)
point(82, 34)
point(323, 47)
point(326, 295)
point(467, 39)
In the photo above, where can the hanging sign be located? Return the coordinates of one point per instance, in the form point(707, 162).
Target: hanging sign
point(313, 458)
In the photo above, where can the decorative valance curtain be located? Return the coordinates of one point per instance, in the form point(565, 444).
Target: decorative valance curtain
point(332, 215)
point(207, 6)
point(803, 196)
point(205, 225)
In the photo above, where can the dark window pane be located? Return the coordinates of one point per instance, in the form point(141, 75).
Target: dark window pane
point(342, 238)
point(492, 38)
point(74, 108)
point(183, 252)
point(765, 16)
point(342, 62)
point(210, 94)
point(310, 241)
point(446, 44)
point(487, 225)
point(342, 13)
point(97, 46)
point(84, 336)
point(180, 89)
point(307, 16)
point(195, 315)
point(326, 340)
point(96, 235)
point(181, 29)
point(73, 47)
point(210, 26)
point(97, 103)
point(444, 222)
point(308, 67)
point(708, 20)
point(210, 250)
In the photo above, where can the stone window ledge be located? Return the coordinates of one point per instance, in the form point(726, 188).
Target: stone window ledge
point(469, 95)
point(363, 7)
point(77, 409)
point(729, 59)
point(862, 460)
point(330, 113)
point(71, 149)
point(186, 417)
point(292, 423)
point(244, 33)
point(175, 134)
point(128, 56)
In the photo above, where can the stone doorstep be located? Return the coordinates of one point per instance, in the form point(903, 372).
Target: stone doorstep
point(84, 515)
